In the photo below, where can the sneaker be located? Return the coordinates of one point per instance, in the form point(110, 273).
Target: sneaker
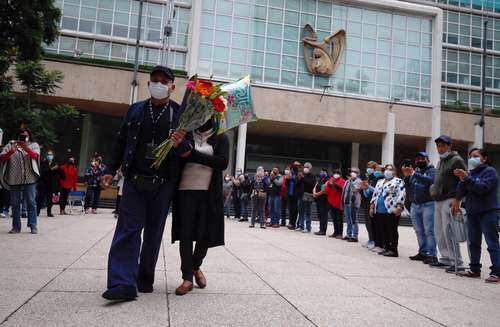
point(430, 260)
point(438, 264)
point(370, 246)
point(306, 231)
point(2, 215)
point(452, 270)
point(365, 244)
point(470, 274)
point(390, 254)
point(34, 230)
point(377, 249)
point(418, 257)
point(298, 229)
point(14, 231)
point(492, 279)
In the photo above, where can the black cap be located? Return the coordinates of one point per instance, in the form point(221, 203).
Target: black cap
point(422, 154)
point(445, 139)
point(165, 70)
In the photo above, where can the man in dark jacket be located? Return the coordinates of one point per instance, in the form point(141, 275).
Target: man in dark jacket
point(147, 191)
point(419, 180)
point(444, 192)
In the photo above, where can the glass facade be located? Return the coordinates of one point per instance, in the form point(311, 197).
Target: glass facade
point(85, 23)
point(388, 54)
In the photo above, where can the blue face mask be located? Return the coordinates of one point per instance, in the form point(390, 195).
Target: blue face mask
point(388, 174)
point(322, 175)
point(369, 171)
point(50, 157)
point(474, 162)
point(444, 155)
point(377, 174)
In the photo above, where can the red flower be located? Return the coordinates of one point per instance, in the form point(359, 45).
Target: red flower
point(204, 88)
point(191, 85)
point(219, 105)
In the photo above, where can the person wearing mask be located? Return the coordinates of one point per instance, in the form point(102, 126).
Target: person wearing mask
point(274, 197)
point(419, 181)
point(308, 181)
point(387, 204)
point(369, 181)
point(333, 189)
point(236, 194)
point(227, 188)
point(198, 210)
point(20, 173)
point(258, 197)
point(93, 176)
point(68, 182)
point(351, 201)
point(49, 183)
point(480, 187)
point(321, 199)
point(246, 190)
point(147, 191)
point(284, 194)
point(292, 186)
point(444, 192)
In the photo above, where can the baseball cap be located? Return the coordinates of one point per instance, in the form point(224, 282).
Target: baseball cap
point(165, 70)
point(445, 139)
point(422, 154)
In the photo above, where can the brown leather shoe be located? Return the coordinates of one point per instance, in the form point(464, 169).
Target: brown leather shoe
point(200, 279)
point(185, 288)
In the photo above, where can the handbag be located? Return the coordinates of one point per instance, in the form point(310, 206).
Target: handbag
point(307, 197)
point(56, 197)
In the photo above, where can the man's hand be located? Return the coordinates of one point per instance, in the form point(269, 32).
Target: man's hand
point(460, 173)
point(455, 207)
point(178, 137)
point(364, 185)
point(106, 181)
point(13, 146)
point(407, 171)
point(397, 211)
point(371, 213)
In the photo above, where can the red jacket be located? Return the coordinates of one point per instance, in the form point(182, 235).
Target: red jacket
point(335, 193)
point(70, 177)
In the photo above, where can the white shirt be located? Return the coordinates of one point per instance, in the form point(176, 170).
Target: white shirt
point(197, 177)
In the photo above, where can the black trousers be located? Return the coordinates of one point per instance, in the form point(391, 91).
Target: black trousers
point(368, 223)
point(284, 208)
point(92, 197)
point(191, 260)
point(63, 200)
point(236, 205)
point(322, 205)
point(117, 203)
point(4, 200)
point(293, 209)
point(338, 221)
point(389, 229)
point(44, 199)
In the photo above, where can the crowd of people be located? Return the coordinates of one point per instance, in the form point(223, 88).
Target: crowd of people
point(30, 183)
point(433, 198)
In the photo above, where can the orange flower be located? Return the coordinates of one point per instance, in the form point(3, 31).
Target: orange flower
point(204, 88)
point(218, 104)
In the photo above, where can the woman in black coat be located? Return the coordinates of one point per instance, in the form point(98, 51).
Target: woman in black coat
point(198, 208)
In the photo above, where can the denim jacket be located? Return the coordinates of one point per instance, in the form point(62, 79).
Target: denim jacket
point(128, 137)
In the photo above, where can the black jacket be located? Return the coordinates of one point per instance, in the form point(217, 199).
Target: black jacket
point(214, 235)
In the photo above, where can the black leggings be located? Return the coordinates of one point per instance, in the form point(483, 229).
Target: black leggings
point(387, 231)
point(63, 201)
point(293, 209)
point(191, 261)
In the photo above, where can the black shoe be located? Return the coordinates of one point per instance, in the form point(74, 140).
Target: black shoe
point(242, 220)
point(251, 226)
point(50, 215)
point(418, 257)
point(320, 233)
point(438, 264)
point(263, 226)
point(120, 293)
point(430, 260)
point(383, 252)
point(283, 224)
point(390, 254)
point(352, 240)
point(145, 288)
point(451, 269)
point(14, 231)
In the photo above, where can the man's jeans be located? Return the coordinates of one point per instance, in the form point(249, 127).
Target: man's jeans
point(18, 193)
point(351, 216)
point(422, 217)
point(275, 208)
point(484, 224)
point(305, 215)
point(445, 241)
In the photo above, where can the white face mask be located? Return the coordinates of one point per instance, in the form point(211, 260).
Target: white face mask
point(336, 176)
point(354, 175)
point(158, 90)
point(306, 170)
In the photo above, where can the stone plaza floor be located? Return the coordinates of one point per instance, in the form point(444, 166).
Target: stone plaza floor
point(272, 277)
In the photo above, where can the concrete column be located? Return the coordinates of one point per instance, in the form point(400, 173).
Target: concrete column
point(194, 38)
point(355, 154)
point(241, 147)
point(430, 148)
point(478, 136)
point(388, 139)
point(85, 147)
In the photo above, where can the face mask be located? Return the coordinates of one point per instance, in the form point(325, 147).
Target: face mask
point(444, 155)
point(23, 138)
point(238, 173)
point(158, 90)
point(388, 174)
point(377, 173)
point(369, 171)
point(306, 170)
point(50, 157)
point(287, 172)
point(322, 175)
point(474, 162)
point(227, 179)
point(354, 175)
point(421, 164)
point(336, 176)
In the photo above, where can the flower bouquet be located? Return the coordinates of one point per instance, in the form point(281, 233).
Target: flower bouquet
point(202, 100)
